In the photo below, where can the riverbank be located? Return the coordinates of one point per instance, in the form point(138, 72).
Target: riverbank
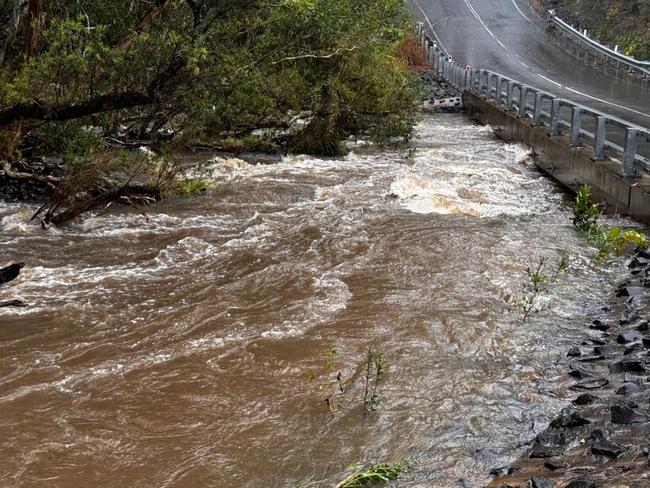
point(602, 440)
point(620, 23)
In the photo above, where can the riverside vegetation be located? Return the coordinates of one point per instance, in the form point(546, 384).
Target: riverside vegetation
point(86, 83)
point(617, 22)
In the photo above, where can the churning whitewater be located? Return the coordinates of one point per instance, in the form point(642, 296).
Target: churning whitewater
point(186, 346)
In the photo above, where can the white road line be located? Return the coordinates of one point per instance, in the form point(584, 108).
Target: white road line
point(514, 2)
point(549, 80)
point(607, 102)
point(559, 85)
point(433, 31)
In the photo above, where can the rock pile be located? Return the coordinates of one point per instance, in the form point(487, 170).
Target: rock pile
point(603, 439)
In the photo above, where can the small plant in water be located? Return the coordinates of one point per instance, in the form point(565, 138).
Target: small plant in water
point(540, 279)
point(332, 384)
point(376, 474)
point(375, 363)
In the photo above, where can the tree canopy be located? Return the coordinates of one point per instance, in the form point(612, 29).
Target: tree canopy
point(73, 74)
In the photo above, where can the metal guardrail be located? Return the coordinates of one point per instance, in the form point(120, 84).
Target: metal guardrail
point(642, 66)
point(545, 110)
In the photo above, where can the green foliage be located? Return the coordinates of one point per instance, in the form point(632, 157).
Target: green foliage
point(331, 383)
point(376, 474)
point(621, 22)
point(222, 70)
point(608, 240)
point(585, 212)
point(375, 363)
point(540, 280)
point(193, 186)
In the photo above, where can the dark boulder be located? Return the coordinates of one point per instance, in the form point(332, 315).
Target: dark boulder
point(550, 438)
point(568, 419)
point(555, 465)
point(598, 434)
point(10, 273)
point(574, 352)
point(622, 414)
point(626, 367)
point(540, 451)
point(603, 447)
point(585, 399)
point(629, 389)
point(629, 336)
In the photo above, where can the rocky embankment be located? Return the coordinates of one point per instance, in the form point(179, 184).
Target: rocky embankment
point(440, 96)
point(603, 439)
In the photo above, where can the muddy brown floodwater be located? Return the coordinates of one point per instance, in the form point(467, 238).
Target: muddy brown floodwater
point(187, 348)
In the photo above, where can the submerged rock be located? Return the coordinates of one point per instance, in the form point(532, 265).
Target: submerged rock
point(630, 336)
point(585, 399)
point(574, 352)
point(622, 414)
point(582, 483)
point(502, 471)
point(629, 317)
point(11, 272)
point(590, 385)
point(540, 482)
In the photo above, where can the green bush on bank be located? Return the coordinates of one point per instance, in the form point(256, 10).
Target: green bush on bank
point(607, 239)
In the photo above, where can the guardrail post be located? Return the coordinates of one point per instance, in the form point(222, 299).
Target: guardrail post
point(555, 117)
point(523, 100)
point(499, 90)
point(629, 166)
point(599, 141)
point(510, 92)
point(537, 113)
point(576, 119)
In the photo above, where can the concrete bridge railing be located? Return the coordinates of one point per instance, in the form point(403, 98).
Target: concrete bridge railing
point(605, 134)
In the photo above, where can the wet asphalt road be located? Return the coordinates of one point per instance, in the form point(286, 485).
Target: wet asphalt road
point(508, 37)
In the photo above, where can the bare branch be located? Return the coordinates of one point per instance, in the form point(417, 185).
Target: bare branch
point(338, 52)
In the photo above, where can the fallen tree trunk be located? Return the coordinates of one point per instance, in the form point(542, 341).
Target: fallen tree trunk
point(129, 195)
point(13, 303)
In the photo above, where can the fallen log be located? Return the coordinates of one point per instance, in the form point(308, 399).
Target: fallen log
point(13, 303)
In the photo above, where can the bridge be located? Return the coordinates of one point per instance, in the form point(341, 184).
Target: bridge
point(509, 64)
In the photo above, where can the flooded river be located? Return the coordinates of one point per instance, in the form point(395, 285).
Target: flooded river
point(188, 347)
